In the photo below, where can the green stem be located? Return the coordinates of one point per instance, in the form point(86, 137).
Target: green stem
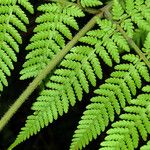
point(134, 46)
point(47, 70)
point(129, 40)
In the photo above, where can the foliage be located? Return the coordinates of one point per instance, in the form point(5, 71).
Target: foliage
point(12, 19)
point(112, 39)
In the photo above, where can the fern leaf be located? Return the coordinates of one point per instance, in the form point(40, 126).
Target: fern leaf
point(12, 19)
point(112, 96)
point(133, 124)
point(107, 38)
point(146, 88)
point(127, 25)
point(129, 6)
point(141, 67)
point(80, 66)
point(117, 10)
point(48, 38)
point(135, 12)
point(146, 48)
point(49, 32)
point(146, 147)
point(90, 3)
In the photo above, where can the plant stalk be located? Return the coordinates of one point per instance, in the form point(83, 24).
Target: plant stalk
point(128, 39)
point(134, 46)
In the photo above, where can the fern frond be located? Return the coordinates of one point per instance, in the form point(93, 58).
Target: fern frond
point(12, 19)
point(81, 66)
point(146, 48)
point(108, 42)
point(146, 88)
point(52, 29)
point(74, 75)
point(146, 147)
point(133, 123)
point(66, 85)
point(117, 10)
point(134, 12)
point(111, 97)
point(90, 3)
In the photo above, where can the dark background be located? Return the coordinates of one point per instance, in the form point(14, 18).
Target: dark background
point(58, 135)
